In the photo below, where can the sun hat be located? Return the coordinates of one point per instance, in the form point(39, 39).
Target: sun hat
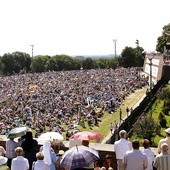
point(167, 130)
point(3, 160)
point(60, 153)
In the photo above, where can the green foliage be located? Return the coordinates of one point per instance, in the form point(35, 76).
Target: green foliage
point(161, 116)
point(132, 57)
point(88, 63)
point(166, 110)
point(147, 128)
point(21, 61)
point(39, 63)
point(162, 120)
point(163, 39)
point(1, 65)
point(8, 62)
point(15, 62)
point(164, 93)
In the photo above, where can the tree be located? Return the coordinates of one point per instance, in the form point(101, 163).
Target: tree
point(88, 63)
point(39, 63)
point(1, 66)
point(8, 62)
point(139, 56)
point(15, 62)
point(162, 120)
point(128, 57)
point(22, 61)
point(163, 39)
point(102, 63)
point(132, 57)
point(147, 128)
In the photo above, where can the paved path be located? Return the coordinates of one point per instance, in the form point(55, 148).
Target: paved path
point(140, 98)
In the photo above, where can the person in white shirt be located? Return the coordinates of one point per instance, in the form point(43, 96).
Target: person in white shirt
point(121, 147)
point(149, 153)
point(40, 164)
point(19, 163)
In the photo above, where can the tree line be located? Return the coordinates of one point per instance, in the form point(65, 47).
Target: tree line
point(20, 62)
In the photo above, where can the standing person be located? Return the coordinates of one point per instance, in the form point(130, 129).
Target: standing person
point(3, 163)
point(19, 163)
point(49, 155)
point(162, 160)
point(135, 159)
point(120, 115)
point(121, 147)
point(165, 140)
point(30, 147)
point(149, 153)
point(111, 128)
point(127, 111)
point(10, 150)
point(40, 164)
point(59, 157)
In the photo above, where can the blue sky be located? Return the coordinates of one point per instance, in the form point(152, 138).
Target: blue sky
point(80, 27)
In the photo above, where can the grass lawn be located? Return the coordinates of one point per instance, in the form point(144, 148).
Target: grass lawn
point(156, 109)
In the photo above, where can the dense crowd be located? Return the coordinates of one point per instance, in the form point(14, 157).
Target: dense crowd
point(65, 99)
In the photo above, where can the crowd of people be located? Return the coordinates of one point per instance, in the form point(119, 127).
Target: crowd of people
point(59, 101)
point(65, 99)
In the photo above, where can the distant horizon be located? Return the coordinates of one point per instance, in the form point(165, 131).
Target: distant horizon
point(95, 55)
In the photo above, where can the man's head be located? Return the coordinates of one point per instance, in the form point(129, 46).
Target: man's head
point(123, 134)
point(19, 151)
point(135, 144)
point(146, 143)
point(164, 148)
point(40, 156)
point(85, 142)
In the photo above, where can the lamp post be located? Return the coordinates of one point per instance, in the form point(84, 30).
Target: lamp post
point(150, 64)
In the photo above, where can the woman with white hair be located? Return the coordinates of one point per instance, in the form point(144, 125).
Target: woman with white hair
point(49, 155)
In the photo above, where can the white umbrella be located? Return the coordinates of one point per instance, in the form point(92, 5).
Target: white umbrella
point(50, 136)
point(17, 132)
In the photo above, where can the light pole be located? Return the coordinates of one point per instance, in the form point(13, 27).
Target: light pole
point(32, 47)
point(115, 41)
point(150, 64)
